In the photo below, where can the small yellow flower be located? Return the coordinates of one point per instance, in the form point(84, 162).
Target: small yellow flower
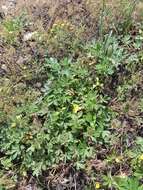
point(29, 136)
point(97, 81)
point(76, 108)
point(118, 159)
point(63, 24)
point(24, 173)
point(13, 125)
point(97, 185)
point(141, 157)
point(18, 117)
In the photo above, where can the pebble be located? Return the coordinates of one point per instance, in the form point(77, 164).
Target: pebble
point(4, 67)
point(28, 36)
point(38, 85)
point(8, 6)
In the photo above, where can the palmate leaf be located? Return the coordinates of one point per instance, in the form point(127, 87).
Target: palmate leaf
point(127, 183)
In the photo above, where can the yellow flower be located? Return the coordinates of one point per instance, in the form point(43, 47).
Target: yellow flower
point(141, 157)
point(18, 117)
point(97, 185)
point(24, 173)
point(62, 24)
point(13, 125)
point(118, 159)
point(97, 81)
point(29, 136)
point(76, 108)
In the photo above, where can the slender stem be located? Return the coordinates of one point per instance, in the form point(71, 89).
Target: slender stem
point(102, 19)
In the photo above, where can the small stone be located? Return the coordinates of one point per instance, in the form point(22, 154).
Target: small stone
point(28, 187)
point(4, 67)
point(28, 36)
point(20, 60)
point(4, 9)
point(38, 85)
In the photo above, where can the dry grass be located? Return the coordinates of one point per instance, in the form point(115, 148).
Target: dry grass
point(78, 9)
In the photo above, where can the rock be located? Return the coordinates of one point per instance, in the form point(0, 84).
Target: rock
point(8, 6)
point(4, 9)
point(38, 85)
point(29, 36)
point(4, 67)
point(21, 60)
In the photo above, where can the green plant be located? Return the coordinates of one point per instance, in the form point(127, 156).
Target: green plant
point(105, 56)
point(11, 28)
point(60, 125)
point(63, 39)
point(57, 96)
point(128, 9)
point(122, 183)
point(128, 183)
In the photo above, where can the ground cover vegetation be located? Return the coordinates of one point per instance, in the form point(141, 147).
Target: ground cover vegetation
point(71, 102)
